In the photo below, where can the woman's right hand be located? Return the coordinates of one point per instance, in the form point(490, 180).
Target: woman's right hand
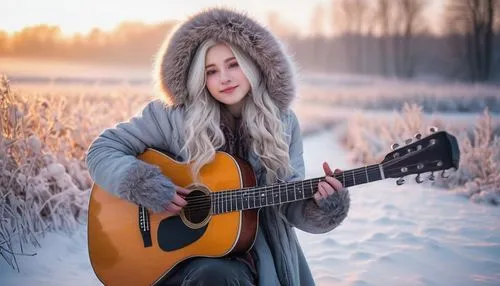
point(146, 185)
point(178, 201)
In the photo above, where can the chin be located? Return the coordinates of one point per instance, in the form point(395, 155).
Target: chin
point(230, 100)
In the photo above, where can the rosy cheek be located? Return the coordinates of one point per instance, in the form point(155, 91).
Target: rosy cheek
point(210, 82)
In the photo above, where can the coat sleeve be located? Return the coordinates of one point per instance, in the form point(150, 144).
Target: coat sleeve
point(306, 215)
point(111, 157)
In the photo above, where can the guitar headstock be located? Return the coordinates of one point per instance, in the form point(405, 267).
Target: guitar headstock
point(436, 152)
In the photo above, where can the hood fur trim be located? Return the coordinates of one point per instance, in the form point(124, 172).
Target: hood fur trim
point(174, 58)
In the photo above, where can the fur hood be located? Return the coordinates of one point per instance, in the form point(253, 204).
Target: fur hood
point(174, 58)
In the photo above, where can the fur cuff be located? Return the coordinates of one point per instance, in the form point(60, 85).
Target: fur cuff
point(145, 184)
point(329, 212)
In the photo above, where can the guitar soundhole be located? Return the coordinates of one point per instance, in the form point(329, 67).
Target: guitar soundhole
point(198, 206)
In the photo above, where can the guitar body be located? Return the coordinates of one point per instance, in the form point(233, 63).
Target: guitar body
point(119, 253)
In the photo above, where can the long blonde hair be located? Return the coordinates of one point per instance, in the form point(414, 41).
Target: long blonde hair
point(260, 119)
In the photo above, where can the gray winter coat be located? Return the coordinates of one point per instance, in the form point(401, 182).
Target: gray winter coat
point(112, 162)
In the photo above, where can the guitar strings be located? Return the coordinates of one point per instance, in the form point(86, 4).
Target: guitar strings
point(285, 187)
point(229, 196)
point(354, 173)
point(340, 177)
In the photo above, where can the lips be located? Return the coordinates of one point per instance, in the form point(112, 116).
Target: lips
point(229, 89)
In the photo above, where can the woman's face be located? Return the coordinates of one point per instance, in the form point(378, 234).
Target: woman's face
point(225, 80)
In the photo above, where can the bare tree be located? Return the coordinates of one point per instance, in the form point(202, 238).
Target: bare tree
point(472, 22)
point(351, 19)
point(408, 23)
point(318, 57)
point(383, 17)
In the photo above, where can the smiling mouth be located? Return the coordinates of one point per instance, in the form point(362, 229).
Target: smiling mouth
point(229, 89)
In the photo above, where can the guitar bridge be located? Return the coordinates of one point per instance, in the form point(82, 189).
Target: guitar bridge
point(144, 226)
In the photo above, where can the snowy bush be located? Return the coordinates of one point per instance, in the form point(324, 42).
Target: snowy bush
point(44, 183)
point(370, 138)
point(478, 176)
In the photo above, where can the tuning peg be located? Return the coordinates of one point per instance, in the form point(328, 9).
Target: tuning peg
point(394, 146)
point(443, 175)
point(408, 141)
point(400, 181)
point(431, 176)
point(433, 129)
point(418, 136)
point(419, 179)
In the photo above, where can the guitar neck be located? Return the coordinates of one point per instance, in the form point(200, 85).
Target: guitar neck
point(257, 197)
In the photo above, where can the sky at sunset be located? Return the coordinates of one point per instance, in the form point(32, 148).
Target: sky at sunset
point(82, 15)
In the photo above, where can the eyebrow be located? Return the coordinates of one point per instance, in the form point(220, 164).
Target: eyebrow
point(226, 60)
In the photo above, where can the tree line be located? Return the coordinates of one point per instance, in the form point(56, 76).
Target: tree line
point(380, 37)
point(393, 38)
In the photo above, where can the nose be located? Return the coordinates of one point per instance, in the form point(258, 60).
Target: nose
point(224, 77)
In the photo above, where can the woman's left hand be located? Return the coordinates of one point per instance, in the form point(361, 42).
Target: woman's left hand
point(329, 186)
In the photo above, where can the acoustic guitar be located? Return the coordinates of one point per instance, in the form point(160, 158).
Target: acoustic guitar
point(128, 245)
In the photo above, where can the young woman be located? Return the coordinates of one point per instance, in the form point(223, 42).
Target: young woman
point(227, 86)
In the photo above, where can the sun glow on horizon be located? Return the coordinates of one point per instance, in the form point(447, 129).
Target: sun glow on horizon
point(81, 16)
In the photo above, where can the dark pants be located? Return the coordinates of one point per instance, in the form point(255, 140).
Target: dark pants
point(211, 271)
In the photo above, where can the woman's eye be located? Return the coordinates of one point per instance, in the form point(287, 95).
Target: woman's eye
point(210, 72)
point(233, 64)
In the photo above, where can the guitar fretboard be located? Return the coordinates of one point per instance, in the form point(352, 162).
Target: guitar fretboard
point(257, 197)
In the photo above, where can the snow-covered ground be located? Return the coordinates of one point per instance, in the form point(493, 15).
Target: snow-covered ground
point(394, 235)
